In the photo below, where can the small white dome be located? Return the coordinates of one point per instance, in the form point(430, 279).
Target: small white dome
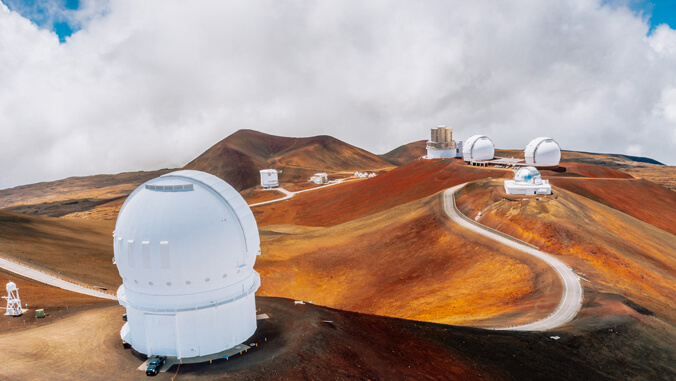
point(11, 286)
point(528, 175)
point(543, 152)
point(478, 147)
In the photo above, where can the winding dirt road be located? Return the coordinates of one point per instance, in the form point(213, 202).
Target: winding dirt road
point(571, 300)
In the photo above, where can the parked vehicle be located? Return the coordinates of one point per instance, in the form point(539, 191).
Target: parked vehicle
point(154, 365)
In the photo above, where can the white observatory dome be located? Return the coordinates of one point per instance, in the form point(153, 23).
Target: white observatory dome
point(185, 246)
point(528, 175)
point(543, 152)
point(478, 147)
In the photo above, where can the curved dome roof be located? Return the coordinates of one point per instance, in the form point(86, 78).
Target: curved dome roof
point(543, 152)
point(478, 147)
point(528, 175)
point(183, 233)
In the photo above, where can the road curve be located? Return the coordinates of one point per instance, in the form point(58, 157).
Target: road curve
point(51, 280)
point(571, 301)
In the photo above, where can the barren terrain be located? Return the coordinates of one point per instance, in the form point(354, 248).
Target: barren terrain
point(311, 342)
point(384, 254)
point(614, 251)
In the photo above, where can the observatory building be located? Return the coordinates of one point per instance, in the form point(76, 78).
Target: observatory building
point(269, 178)
point(528, 180)
point(320, 178)
point(543, 152)
point(441, 144)
point(478, 147)
point(185, 244)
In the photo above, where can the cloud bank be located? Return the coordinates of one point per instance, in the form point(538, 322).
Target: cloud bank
point(152, 84)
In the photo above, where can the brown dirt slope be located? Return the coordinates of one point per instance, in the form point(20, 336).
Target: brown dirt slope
point(74, 194)
point(79, 250)
point(410, 262)
point(637, 167)
point(405, 153)
point(317, 343)
point(645, 200)
point(238, 158)
point(345, 202)
point(616, 252)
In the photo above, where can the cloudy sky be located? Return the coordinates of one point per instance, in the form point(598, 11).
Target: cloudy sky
point(109, 86)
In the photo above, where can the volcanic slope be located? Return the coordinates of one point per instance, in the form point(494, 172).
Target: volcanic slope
point(352, 200)
point(615, 252)
point(405, 153)
point(78, 250)
point(636, 167)
point(643, 199)
point(410, 262)
point(238, 158)
point(309, 342)
point(76, 196)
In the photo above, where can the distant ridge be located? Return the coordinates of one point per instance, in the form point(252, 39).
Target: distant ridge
point(405, 153)
point(238, 158)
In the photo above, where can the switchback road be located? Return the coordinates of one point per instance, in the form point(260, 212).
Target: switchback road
point(571, 300)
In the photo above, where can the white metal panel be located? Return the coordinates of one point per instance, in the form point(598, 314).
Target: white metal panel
point(161, 334)
point(145, 254)
point(165, 259)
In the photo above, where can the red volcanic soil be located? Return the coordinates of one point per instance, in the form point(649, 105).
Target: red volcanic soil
point(309, 342)
point(345, 202)
point(405, 153)
point(642, 199)
point(614, 251)
point(411, 262)
point(238, 158)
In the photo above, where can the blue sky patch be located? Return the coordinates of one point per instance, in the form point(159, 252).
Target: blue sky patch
point(54, 15)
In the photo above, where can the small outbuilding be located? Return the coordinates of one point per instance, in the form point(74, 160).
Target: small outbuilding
point(320, 178)
point(269, 178)
point(528, 181)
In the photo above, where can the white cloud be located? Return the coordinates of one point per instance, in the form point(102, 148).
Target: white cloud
point(150, 84)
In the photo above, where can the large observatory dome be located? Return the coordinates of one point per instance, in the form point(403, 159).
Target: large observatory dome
point(478, 147)
point(185, 246)
point(543, 152)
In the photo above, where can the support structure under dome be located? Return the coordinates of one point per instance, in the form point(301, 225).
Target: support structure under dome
point(185, 244)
